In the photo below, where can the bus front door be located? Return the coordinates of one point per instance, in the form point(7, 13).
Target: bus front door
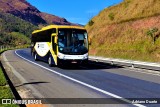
point(54, 48)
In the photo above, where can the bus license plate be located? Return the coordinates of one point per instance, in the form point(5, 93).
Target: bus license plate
point(74, 62)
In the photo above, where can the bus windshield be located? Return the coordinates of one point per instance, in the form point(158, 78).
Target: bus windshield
point(72, 41)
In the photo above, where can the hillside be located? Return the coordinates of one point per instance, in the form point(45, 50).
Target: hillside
point(18, 19)
point(128, 30)
point(25, 11)
point(14, 31)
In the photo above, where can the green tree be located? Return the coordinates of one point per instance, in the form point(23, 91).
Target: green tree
point(14, 31)
point(152, 34)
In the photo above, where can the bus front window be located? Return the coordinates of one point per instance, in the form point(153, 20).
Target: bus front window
point(72, 41)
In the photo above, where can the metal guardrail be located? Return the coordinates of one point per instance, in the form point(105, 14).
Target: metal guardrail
point(129, 63)
point(3, 47)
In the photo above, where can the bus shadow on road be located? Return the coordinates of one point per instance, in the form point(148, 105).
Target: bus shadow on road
point(91, 65)
point(30, 83)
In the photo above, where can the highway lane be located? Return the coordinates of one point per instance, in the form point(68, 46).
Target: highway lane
point(119, 81)
point(44, 84)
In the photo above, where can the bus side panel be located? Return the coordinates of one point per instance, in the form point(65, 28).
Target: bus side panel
point(41, 48)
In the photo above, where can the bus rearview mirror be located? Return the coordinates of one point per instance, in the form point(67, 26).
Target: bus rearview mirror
point(54, 34)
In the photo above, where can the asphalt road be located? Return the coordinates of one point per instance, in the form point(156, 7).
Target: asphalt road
point(95, 80)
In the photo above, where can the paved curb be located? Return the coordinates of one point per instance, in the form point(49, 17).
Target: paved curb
point(13, 89)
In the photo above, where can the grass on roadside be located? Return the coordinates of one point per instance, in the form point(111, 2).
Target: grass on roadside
point(5, 91)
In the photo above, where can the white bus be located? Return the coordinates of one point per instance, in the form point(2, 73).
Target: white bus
point(60, 44)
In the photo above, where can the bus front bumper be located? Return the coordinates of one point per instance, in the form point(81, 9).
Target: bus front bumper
point(72, 61)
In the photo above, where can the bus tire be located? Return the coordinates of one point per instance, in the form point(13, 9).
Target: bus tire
point(50, 62)
point(35, 57)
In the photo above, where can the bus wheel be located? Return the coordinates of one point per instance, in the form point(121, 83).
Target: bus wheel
point(35, 57)
point(50, 61)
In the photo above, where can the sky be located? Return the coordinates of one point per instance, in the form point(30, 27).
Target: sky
point(75, 11)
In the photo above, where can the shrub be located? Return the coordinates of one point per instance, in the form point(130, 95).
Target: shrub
point(111, 16)
point(152, 34)
point(91, 22)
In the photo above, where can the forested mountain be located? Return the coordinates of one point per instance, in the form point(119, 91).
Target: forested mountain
point(25, 11)
point(14, 31)
point(18, 19)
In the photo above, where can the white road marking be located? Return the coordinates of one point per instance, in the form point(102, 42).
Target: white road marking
point(20, 77)
point(35, 92)
point(82, 83)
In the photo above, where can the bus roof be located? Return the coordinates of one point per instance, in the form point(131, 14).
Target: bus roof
point(58, 26)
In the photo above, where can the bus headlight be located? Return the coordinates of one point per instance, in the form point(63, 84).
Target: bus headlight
point(85, 56)
point(61, 56)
